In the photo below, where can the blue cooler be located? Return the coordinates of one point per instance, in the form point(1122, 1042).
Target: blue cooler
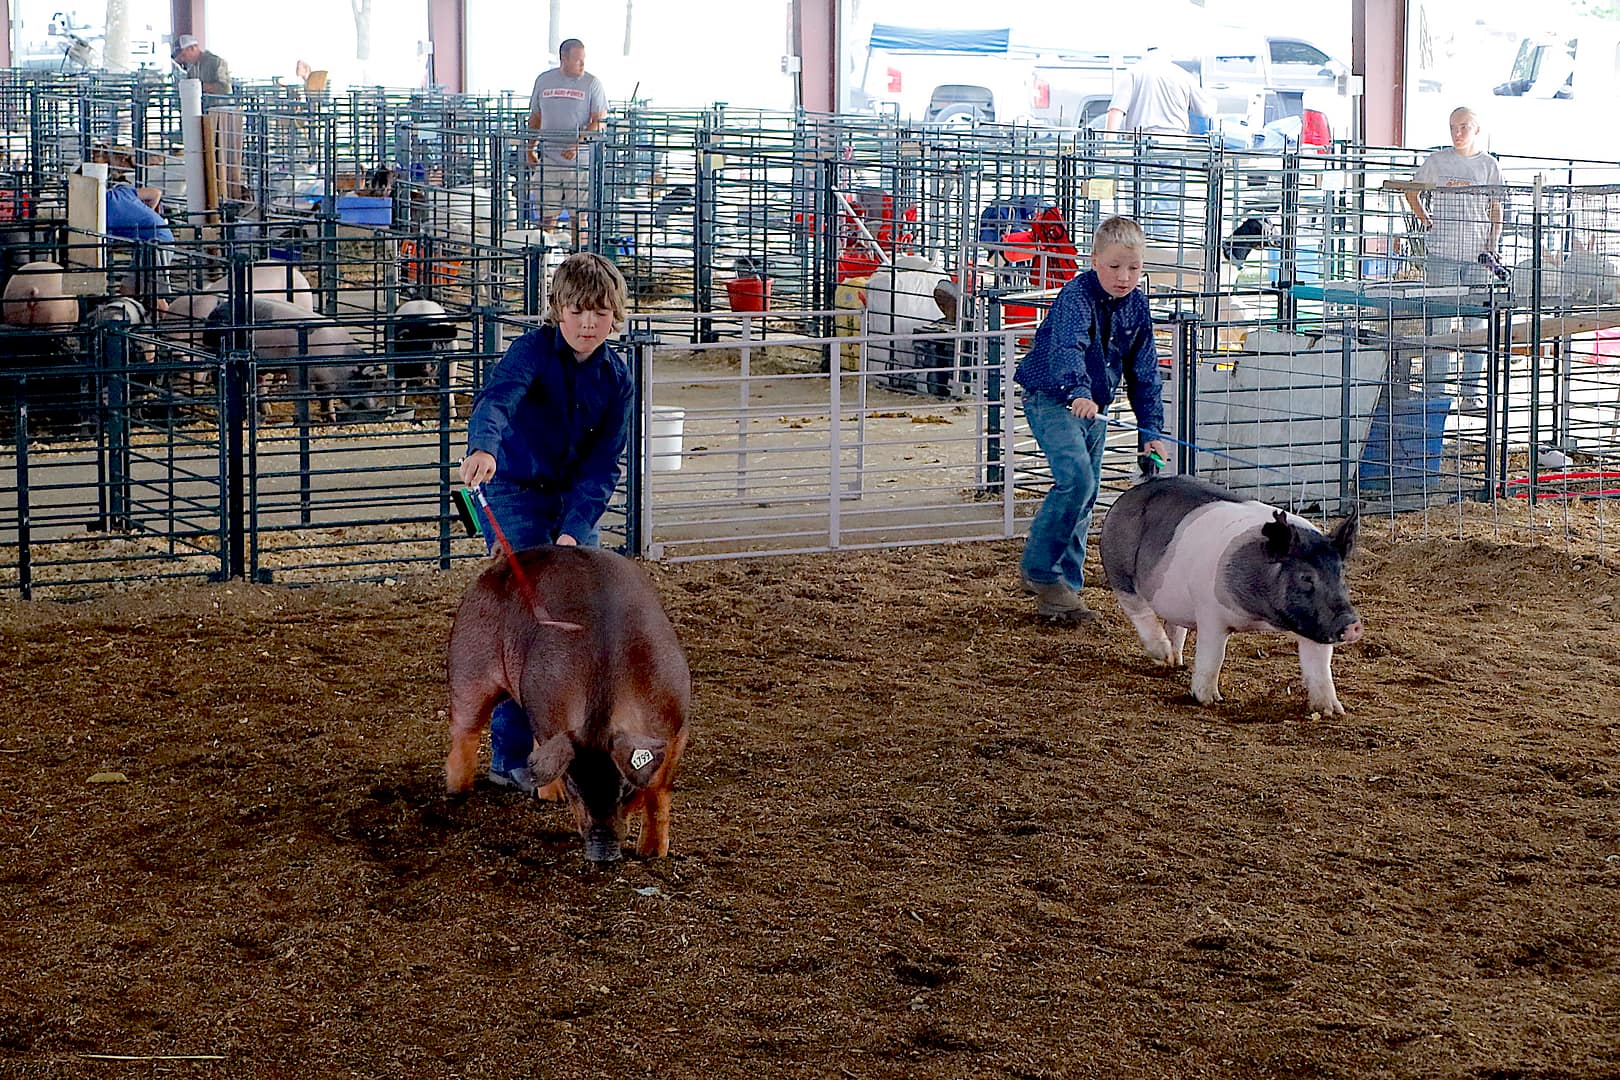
point(365, 209)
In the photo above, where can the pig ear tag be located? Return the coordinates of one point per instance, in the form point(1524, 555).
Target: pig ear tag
point(640, 758)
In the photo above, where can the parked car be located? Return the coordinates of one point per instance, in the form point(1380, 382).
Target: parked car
point(1237, 67)
point(1558, 97)
point(944, 76)
point(1296, 64)
point(1283, 119)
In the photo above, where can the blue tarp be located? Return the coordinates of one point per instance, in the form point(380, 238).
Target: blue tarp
point(916, 38)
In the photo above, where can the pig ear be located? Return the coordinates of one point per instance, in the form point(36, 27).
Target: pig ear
point(1344, 537)
point(638, 757)
point(1278, 535)
point(551, 759)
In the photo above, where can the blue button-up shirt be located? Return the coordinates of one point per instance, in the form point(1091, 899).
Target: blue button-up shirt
point(1088, 343)
point(556, 423)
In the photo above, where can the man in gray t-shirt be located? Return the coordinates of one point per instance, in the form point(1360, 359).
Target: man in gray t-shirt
point(566, 103)
point(1157, 97)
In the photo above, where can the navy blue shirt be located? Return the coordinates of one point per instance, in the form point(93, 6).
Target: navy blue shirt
point(1088, 342)
point(556, 423)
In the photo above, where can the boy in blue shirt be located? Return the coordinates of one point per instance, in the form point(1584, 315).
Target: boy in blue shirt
point(1098, 333)
point(544, 439)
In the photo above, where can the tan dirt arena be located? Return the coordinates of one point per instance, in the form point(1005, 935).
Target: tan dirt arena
point(916, 834)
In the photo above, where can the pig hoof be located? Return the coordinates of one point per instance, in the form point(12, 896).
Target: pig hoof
point(602, 851)
point(1330, 707)
point(1207, 695)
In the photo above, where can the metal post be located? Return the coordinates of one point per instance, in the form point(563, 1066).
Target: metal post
point(328, 224)
point(703, 241)
point(1536, 241)
point(238, 371)
point(1187, 397)
point(637, 489)
point(534, 276)
point(1007, 469)
point(25, 532)
point(115, 350)
point(1346, 400)
point(835, 428)
point(301, 418)
point(1288, 263)
point(447, 476)
point(998, 391)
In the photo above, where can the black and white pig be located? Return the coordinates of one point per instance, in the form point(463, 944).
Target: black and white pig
point(1184, 553)
point(423, 331)
point(283, 331)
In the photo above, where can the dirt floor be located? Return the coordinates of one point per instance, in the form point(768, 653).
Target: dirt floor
point(917, 834)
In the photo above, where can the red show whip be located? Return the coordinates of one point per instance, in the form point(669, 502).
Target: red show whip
point(524, 584)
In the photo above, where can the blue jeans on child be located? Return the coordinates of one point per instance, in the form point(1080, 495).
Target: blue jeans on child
point(1056, 547)
point(529, 518)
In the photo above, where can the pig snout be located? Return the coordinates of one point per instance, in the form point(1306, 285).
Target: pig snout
point(1350, 632)
point(602, 846)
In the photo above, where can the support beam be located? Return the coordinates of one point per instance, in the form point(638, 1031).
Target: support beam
point(815, 43)
point(1378, 53)
point(5, 33)
point(188, 17)
point(447, 34)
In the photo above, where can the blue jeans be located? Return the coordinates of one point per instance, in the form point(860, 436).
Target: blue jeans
point(1436, 360)
point(529, 519)
point(1056, 547)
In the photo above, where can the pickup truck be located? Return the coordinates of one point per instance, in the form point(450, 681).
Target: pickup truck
point(943, 76)
point(1558, 98)
point(1237, 68)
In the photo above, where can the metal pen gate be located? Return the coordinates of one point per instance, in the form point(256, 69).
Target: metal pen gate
point(754, 446)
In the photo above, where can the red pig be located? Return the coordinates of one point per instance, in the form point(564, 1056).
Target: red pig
point(607, 701)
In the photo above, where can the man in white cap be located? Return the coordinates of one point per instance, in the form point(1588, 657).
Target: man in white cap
point(198, 63)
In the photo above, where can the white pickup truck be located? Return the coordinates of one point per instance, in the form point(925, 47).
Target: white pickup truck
point(942, 76)
point(1238, 69)
point(934, 75)
point(1558, 100)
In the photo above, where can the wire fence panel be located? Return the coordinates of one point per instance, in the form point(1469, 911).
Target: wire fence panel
point(112, 473)
point(1311, 357)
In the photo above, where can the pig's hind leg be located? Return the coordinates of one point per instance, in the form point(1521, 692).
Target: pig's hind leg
point(1164, 649)
point(471, 703)
point(652, 802)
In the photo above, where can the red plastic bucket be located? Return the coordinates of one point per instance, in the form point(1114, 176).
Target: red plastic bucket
point(749, 293)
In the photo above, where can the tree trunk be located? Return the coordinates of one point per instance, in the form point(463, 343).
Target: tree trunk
point(362, 29)
point(555, 36)
point(629, 7)
point(115, 48)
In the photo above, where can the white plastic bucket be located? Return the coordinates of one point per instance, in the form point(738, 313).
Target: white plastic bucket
point(664, 433)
